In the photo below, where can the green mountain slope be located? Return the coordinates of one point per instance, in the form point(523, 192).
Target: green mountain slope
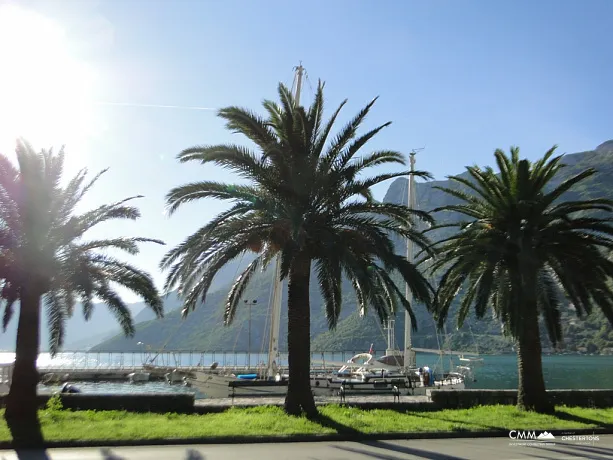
point(203, 329)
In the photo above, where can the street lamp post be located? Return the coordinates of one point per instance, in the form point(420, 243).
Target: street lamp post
point(249, 303)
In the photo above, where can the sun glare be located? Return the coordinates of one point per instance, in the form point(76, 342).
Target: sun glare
point(45, 93)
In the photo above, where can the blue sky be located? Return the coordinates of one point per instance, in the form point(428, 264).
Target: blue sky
point(458, 77)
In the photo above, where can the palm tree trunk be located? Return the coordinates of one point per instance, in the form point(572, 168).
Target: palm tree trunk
point(299, 395)
point(531, 394)
point(21, 406)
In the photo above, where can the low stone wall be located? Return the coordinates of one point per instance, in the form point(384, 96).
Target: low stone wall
point(159, 402)
point(470, 398)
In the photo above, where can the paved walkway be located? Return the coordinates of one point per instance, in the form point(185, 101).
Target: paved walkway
point(441, 449)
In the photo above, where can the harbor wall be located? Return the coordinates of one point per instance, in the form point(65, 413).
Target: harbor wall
point(450, 399)
point(145, 402)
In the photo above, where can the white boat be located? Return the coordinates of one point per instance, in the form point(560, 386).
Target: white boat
point(365, 374)
point(139, 377)
point(471, 360)
point(470, 363)
point(175, 376)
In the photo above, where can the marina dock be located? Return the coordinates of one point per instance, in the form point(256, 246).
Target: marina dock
point(157, 373)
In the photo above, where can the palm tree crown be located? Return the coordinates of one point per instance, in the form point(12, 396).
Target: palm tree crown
point(301, 199)
point(42, 245)
point(523, 246)
point(520, 250)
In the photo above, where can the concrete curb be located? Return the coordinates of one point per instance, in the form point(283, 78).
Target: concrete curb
point(355, 437)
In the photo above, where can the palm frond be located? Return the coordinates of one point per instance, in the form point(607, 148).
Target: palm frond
point(56, 313)
point(345, 135)
point(117, 307)
point(209, 189)
point(10, 295)
point(238, 289)
point(129, 245)
point(329, 271)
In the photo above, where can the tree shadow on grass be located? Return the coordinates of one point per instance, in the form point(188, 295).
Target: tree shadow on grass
point(563, 415)
point(480, 425)
point(559, 414)
point(327, 422)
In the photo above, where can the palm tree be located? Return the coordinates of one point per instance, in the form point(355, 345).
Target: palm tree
point(44, 256)
point(523, 251)
point(308, 201)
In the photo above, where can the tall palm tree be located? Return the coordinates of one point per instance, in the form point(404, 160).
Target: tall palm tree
point(308, 201)
point(522, 251)
point(44, 257)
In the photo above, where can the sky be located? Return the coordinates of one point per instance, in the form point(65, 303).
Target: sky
point(460, 78)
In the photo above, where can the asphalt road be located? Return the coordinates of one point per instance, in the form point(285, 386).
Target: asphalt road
point(440, 449)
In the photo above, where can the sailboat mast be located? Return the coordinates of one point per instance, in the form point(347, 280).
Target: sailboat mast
point(277, 296)
point(299, 72)
point(409, 354)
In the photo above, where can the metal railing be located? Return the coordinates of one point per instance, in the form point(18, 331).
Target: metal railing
point(171, 358)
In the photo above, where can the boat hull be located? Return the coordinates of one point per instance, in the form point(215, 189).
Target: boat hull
point(229, 386)
point(174, 377)
point(139, 377)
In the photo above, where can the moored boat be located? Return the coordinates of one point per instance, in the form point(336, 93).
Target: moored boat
point(139, 377)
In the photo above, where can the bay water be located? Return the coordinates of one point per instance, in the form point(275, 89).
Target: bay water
point(497, 371)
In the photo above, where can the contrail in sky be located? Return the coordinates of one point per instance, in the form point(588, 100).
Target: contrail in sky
point(156, 106)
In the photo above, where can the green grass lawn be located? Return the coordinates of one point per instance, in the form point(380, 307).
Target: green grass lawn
point(59, 425)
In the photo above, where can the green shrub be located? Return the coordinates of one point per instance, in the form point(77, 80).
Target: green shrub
point(54, 404)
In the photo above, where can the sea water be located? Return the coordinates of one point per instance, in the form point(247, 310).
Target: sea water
point(496, 372)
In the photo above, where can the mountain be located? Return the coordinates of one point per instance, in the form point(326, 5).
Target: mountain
point(80, 334)
point(202, 330)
